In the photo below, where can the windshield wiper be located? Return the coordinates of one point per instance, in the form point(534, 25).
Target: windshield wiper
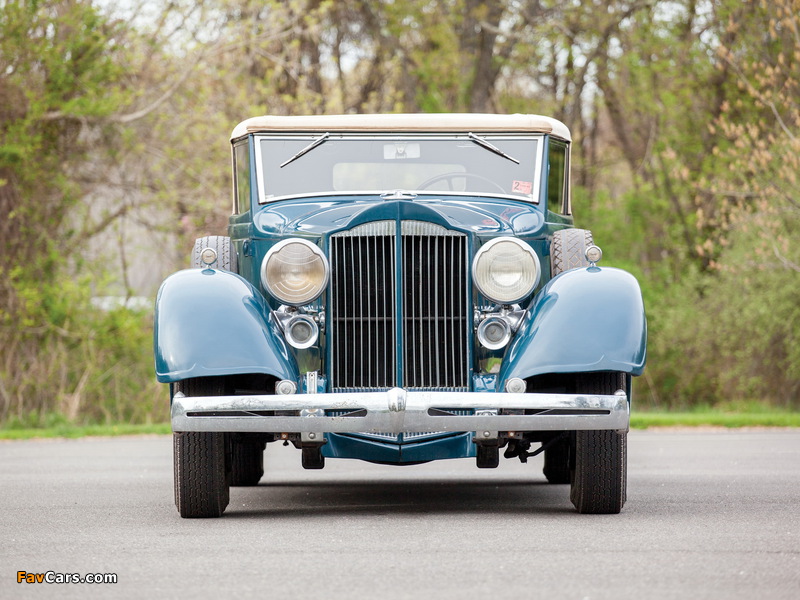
point(492, 148)
point(308, 148)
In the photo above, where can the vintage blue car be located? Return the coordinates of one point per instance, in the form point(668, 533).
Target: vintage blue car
point(400, 289)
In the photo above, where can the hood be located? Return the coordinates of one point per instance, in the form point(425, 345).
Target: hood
point(324, 216)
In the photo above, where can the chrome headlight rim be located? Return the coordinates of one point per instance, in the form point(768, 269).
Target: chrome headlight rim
point(593, 255)
point(208, 256)
point(486, 248)
point(276, 293)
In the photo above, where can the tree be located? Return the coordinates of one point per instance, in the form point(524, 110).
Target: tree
point(64, 96)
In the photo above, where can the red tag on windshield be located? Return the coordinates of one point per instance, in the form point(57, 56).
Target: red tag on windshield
point(522, 187)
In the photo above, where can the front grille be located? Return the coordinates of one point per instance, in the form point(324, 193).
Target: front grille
point(435, 286)
point(362, 307)
point(432, 308)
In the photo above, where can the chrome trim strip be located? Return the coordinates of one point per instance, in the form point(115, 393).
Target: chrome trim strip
point(422, 195)
point(333, 304)
point(464, 314)
point(398, 410)
point(435, 266)
point(392, 326)
point(363, 319)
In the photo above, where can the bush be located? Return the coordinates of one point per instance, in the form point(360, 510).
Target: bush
point(724, 335)
point(728, 335)
point(61, 359)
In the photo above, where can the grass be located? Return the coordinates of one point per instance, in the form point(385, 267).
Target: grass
point(66, 430)
point(644, 420)
point(725, 414)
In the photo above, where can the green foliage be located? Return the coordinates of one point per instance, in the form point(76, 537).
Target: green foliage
point(731, 335)
point(72, 362)
point(708, 221)
point(59, 81)
point(714, 337)
point(62, 84)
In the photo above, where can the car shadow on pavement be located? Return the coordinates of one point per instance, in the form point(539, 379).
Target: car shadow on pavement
point(291, 499)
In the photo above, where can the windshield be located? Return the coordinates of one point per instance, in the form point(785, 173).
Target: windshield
point(341, 163)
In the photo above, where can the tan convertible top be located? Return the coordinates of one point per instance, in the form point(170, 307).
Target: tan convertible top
point(419, 123)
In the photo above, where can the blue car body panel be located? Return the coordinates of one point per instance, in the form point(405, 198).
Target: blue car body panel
point(587, 319)
point(210, 322)
point(399, 451)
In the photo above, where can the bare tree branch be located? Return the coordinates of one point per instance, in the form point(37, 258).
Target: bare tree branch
point(98, 227)
point(786, 262)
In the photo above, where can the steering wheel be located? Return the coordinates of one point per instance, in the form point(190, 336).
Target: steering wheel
point(453, 175)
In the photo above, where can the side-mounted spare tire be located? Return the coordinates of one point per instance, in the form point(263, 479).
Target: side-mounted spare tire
point(226, 256)
point(568, 250)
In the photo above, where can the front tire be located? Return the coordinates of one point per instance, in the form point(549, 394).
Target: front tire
point(599, 458)
point(201, 461)
point(201, 488)
point(556, 463)
point(247, 463)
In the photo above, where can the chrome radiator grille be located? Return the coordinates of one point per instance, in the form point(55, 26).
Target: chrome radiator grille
point(435, 289)
point(431, 308)
point(362, 307)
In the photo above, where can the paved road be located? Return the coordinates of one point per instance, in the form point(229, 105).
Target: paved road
point(709, 515)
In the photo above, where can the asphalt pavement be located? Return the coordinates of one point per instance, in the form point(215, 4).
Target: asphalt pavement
point(710, 514)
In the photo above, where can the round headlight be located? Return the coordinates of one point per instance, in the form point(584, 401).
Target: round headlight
point(506, 270)
point(295, 272)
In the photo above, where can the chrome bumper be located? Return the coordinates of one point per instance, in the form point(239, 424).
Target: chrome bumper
point(399, 411)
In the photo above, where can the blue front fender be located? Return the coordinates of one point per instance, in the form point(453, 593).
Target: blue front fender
point(584, 320)
point(211, 322)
